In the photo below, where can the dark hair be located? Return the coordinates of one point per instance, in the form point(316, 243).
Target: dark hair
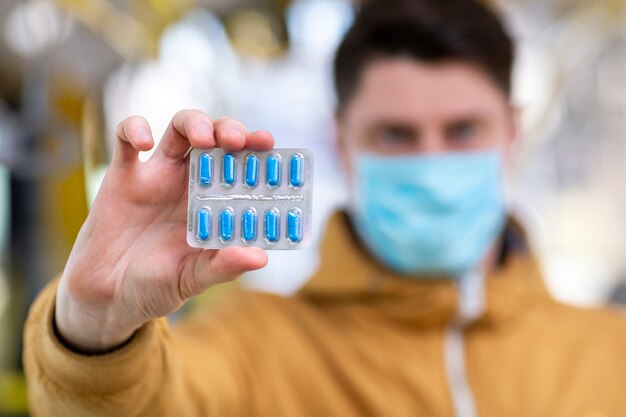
point(427, 30)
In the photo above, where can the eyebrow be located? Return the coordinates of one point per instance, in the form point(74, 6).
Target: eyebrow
point(462, 120)
point(393, 123)
point(388, 124)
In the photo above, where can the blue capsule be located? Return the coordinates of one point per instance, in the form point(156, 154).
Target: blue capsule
point(205, 169)
point(294, 225)
point(272, 170)
point(295, 171)
point(228, 174)
point(226, 225)
point(272, 218)
point(252, 170)
point(248, 225)
point(204, 224)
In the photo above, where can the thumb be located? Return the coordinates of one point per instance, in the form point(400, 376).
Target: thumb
point(207, 268)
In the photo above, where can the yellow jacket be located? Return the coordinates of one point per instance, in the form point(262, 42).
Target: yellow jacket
point(356, 341)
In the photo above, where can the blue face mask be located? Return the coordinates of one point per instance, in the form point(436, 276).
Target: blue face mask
point(429, 214)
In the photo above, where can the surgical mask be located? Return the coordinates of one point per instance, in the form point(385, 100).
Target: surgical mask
point(429, 215)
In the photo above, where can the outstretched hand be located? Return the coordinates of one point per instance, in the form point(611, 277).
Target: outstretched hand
point(131, 262)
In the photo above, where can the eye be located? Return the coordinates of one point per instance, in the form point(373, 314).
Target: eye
point(462, 132)
point(395, 137)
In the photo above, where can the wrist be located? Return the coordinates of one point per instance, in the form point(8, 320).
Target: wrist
point(88, 329)
point(86, 345)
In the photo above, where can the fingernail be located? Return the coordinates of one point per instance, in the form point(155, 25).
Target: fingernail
point(204, 130)
point(235, 131)
point(143, 134)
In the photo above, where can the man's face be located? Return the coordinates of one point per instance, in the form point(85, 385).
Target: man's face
point(404, 106)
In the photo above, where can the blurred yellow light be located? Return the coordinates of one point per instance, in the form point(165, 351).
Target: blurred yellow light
point(12, 393)
point(251, 32)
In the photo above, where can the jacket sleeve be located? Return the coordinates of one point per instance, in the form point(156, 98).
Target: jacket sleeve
point(194, 372)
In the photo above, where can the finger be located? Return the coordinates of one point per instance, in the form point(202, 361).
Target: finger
point(260, 140)
point(187, 128)
point(230, 134)
point(132, 135)
point(210, 267)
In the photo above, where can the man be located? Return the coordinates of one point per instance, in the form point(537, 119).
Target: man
point(427, 300)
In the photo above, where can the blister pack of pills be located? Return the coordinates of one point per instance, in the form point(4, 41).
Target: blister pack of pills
point(250, 198)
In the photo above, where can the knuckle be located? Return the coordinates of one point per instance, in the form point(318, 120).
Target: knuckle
point(189, 113)
point(129, 122)
point(180, 114)
point(119, 130)
point(234, 127)
point(230, 122)
point(184, 119)
point(139, 120)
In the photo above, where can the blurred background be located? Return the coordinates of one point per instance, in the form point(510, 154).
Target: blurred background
point(72, 69)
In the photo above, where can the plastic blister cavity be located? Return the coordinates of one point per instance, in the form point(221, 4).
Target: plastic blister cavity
point(250, 198)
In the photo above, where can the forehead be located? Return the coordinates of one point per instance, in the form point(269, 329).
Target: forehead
point(404, 88)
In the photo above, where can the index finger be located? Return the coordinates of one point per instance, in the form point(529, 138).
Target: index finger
point(188, 128)
point(232, 136)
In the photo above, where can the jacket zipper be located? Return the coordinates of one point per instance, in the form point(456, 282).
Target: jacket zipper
point(471, 290)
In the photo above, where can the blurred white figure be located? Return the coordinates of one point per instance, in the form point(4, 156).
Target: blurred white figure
point(571, 160)
point(196, 65)
point(34, 26)
point(293, 98)
point(316, 27)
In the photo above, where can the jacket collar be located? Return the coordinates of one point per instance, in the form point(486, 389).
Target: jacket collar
point(348, 274)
